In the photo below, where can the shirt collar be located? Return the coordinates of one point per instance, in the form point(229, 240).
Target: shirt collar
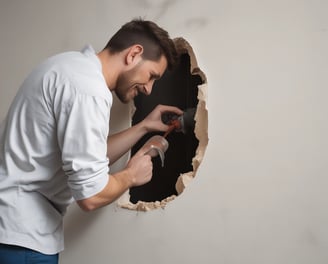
point(89, 51)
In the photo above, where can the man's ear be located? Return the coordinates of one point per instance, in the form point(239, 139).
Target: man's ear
point(134, 54)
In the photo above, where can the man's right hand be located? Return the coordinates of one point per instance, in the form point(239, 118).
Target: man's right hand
point(140, 168)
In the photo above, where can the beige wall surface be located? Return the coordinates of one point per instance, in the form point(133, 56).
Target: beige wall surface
point(260, 195)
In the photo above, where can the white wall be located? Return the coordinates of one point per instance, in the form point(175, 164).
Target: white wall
point(260, 196)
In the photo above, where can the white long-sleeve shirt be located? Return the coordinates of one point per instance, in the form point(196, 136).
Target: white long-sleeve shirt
point(53, 146)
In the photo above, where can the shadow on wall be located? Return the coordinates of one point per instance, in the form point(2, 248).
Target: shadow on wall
point(184, 87)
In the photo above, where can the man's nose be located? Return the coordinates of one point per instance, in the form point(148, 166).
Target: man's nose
point(148, 87)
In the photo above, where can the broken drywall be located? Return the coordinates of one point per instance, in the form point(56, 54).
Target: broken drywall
point(201, 133)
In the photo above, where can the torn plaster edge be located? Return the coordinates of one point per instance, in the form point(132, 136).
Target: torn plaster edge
point(182, 47)
point(201, 116)
point(201, 133)
point(124, 202)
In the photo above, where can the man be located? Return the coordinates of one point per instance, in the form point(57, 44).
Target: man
point(54, 143)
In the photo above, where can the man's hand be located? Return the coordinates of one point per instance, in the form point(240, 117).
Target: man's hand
point(140, 168)
point(153, 122)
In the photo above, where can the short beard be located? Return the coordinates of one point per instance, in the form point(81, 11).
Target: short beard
point(125, 84)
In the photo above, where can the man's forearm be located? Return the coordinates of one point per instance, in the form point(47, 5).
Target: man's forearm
point(118, 144)
point(137, 172)
point(117, 184)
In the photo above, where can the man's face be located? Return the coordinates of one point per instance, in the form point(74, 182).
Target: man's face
point(139, 79)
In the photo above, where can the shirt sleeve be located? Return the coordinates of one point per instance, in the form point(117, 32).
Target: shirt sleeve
point(82, 130)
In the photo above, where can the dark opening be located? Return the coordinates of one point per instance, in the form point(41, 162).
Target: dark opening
point(178, 88)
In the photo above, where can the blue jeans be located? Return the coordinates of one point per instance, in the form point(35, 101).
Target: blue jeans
point(18, 255)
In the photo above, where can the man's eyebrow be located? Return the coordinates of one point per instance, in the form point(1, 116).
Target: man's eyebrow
point(155, 76)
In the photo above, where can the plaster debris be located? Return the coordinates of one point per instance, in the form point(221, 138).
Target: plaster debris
point(201, 133)
point(146, 206)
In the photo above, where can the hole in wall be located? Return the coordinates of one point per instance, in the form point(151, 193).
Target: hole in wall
point(186, 88)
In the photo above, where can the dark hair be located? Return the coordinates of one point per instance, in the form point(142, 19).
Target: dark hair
point(155, 41)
